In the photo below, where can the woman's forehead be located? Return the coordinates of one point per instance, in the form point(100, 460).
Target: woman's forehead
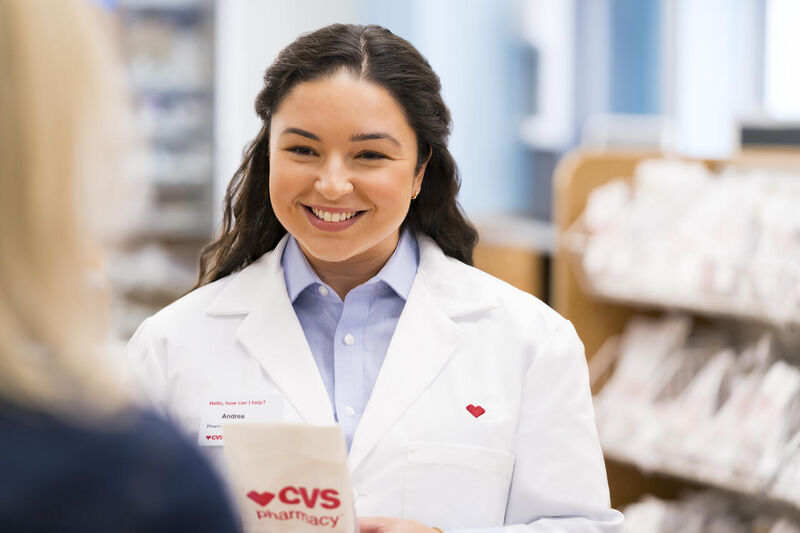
point(343, 105)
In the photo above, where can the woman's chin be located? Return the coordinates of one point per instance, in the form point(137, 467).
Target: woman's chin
point(328, 253)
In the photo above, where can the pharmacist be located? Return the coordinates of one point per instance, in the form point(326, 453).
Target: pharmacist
point(340, 291)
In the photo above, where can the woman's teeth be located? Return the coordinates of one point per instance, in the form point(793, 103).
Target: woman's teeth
point(333, 217)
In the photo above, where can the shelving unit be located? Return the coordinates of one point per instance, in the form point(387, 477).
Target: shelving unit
point(690, 479)
point(574, 247)
point(599, 315)
point(168, 50)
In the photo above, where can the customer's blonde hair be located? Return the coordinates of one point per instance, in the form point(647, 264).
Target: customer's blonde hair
point(58, 105)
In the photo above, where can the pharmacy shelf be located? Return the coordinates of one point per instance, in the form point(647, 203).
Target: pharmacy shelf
point(621, 291)
point(600, 313)
point(685, 472)
point(171, 233)
point(168, 50)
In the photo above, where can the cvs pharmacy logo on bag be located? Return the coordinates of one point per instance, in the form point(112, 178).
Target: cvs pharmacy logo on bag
point(290, 495)
point(297, 496)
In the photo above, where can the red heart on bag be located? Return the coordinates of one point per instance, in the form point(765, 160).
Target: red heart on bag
point(208, 437)
point(475, 410)
point(261, 498)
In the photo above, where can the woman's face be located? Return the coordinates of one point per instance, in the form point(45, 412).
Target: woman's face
point(342, 169)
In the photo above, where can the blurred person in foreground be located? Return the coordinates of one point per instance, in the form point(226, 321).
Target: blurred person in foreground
point(74, 455)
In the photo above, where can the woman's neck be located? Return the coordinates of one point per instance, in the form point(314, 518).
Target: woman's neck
point(344, 276)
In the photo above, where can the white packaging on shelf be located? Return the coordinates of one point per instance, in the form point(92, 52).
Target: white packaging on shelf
point(704, 512)
point(683, 238)
point(688, 404)
point(762, 436)
point(627, 396)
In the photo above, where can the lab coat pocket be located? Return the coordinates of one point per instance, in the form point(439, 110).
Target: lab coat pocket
point(457, 485)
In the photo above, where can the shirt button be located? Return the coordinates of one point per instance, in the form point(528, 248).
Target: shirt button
point(349, 340)
point(323, 290)
point(349, 411)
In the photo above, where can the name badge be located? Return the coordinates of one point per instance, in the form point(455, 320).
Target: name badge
point(236, 410)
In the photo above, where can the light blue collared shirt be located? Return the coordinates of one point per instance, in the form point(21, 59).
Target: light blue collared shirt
point(349, 339)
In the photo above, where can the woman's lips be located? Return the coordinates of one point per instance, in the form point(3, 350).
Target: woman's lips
point(318, 215)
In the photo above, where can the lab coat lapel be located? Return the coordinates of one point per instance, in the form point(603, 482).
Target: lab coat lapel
point(273, 335)
point(424, 340)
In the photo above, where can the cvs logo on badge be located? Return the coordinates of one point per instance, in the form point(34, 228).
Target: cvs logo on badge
point(290, 495)
point(213, 437)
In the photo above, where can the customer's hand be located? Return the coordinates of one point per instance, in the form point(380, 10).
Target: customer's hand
point(380, 524)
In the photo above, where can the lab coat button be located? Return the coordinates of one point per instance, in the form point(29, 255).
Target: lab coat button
point(323, 290)
point(349, 411)
point(349, 340)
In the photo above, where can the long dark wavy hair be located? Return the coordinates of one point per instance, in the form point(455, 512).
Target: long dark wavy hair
point(372, 53)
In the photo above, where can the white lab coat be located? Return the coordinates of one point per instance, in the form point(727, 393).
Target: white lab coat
point(531, 461)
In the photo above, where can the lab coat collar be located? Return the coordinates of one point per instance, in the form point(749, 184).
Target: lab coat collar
point(272, 334)
point(426, 337)
point(244, 288)
point(452, 285)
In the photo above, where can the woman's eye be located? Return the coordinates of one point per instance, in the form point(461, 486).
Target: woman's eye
point(371, 155)
point(301, 150)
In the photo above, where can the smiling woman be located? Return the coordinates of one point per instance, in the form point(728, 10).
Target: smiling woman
point(340, 288)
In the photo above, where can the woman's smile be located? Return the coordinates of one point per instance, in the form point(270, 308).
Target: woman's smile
point(332, 218)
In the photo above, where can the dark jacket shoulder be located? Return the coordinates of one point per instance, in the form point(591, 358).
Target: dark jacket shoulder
point(134, 474)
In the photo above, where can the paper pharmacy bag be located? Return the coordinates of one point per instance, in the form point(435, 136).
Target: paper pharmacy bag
point(290, 478)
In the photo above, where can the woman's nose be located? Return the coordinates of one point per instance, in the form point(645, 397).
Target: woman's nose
point(334, 181)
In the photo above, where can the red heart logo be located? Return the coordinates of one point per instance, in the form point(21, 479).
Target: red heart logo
point(208, 437)
point(261, 498)
point(475, 410)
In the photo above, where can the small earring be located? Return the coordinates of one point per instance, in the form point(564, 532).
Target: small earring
point(415, 195)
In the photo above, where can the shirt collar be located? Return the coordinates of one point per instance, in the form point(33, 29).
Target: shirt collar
point(297, 273)
point(401, 269)
point(398, 273)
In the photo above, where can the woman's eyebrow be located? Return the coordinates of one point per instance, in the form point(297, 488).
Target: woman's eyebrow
point(302, 133)
point(371, 136)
